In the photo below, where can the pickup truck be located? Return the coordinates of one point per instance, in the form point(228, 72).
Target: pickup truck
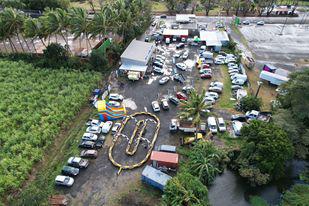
point(263, 116)
point(191, 139)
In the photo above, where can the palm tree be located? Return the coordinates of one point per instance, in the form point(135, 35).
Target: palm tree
point(12, 23)
point(3, 37)
point(30, 30)
point(80, 25)
point(194, 107)
point(64, 24)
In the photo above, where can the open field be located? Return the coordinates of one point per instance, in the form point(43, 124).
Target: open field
point(36, 104)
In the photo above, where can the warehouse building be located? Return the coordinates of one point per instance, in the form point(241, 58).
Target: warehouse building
point(136, 58)
point(214, 40)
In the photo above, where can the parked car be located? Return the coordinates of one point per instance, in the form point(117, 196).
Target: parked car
point(87, 144)
point(237, 125)
point(216, 84)
point(157, 64)
point(207, 75)
point(174, 100)
point(159, 60)
point(232, 64)
point(89, 153)
point(161, 57)
point(94, 122)
point(246, 22)
point(100, 142)
point(236, 87)
point(174, 125)
point(203, 71)
point(215, 89)
point(177, 55)
point(116, 127)
point(205, 66)
point(238, 82)
point(219, 61)
point(209, 100)
point(78, 162)
point(212, 124)
point(155, 106)
point(70, 171)
point(106, 127)
point(183, 39)
point(164, 80)
point(239, 117)
point(62, 180)
point(181, 96)
point(174, 39)
point(212, 94)
point(179, 78)
point(260, 23)
point(158, 70)
point(180, 46)
point(94, 129)
point(164, 104)
point(89, 136)
point(230, 71)
point(146, 39)
point(185, 55)
point(221, 125)
point(187, 89)
point(181, 66)
point(115, 96)
point(114, 104)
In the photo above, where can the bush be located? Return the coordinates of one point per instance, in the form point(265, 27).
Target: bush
point(99, 61)
point(55, 55)
point(185, 189)
point(249, 103)
point(297, 196)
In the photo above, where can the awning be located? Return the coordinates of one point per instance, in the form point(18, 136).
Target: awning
point(133, 67)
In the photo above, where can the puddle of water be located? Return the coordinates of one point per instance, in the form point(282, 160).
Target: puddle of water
point(129, 103)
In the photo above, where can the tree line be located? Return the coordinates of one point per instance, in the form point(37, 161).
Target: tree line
point(35, 4)
point(126, 19)
point(237, 7)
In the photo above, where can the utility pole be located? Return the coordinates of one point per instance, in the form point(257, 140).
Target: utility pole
point(286, 19)
point(258, 90)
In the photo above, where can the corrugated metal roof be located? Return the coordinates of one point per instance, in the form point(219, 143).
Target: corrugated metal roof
point(156, 175)
point(210, 37)
point(133, 67)
point(164, 157)
point(138, 51)
point(176, 32)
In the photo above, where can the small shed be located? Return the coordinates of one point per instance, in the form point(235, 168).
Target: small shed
point(210, 39)
point(164, 159)
point(155, 177)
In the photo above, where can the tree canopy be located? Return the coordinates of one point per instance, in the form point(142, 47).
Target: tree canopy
point(249, 103)
point(264, 153)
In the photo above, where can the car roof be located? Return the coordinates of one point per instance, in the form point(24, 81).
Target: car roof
point(60, 178)
point(220, 120)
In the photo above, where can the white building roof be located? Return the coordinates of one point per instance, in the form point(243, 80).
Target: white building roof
point(175, 32)
point(184, 17)
point(222, 36)
point(210, 37)
point(133, 67)
point(138, 51)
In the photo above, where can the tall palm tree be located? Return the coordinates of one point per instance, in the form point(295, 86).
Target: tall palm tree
point(80, 25)
point(100, 25)
point(30, 30)
point(64, 25)
point(194, 107)
point(12, 22)
point(3, 36)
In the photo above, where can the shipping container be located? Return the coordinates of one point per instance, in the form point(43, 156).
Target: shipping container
point(164, 159)
point(155, 177)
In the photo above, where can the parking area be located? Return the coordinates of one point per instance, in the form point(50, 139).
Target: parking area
point(285, 46)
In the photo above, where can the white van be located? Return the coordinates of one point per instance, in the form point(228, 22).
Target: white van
point(239, 76)
point(212, 124)
point(221, 124)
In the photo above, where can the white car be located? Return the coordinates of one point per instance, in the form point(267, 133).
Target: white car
point(233, 71)
point(185, 55)
point(215, 89)
point(95, 129)
point(209, 100)
point(161, 57)
point(106, 126)
point(238, 82)
point(216, 84)
point(90, 137)
point(232, 64)
point(164, 80)
point(221, 124)
point(114, 104)
point(155, 106)
point(237, 125)
point(177, 55)
point(64, 180)
point(214, 95)
point(260, 23)
point(203, 71)
point(219, 61)
point(115, 96)
point(116, 127)
point(181, 66)
point(158, 70)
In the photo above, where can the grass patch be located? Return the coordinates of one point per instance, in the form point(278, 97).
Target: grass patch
point(257, 201)
point(230, 141)
point(243, 40)
point(158, 6)
point(224, 101)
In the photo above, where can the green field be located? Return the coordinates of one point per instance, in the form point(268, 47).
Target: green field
point(36, 104)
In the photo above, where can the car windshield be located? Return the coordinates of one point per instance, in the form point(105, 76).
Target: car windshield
point(66, 180)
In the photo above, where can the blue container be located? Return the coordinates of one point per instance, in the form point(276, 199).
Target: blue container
point(155, 177)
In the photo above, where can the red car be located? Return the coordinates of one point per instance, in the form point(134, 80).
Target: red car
point(206, 75)
point(181, 96)
point(205, 66)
